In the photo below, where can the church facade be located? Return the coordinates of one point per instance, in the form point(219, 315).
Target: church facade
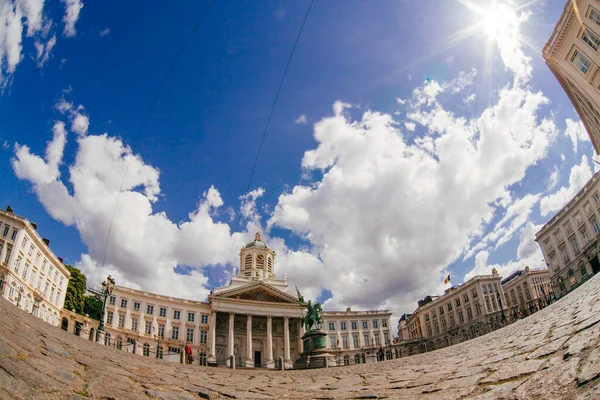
point(254, 321)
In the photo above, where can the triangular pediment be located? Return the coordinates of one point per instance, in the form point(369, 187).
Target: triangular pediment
point(260, 292)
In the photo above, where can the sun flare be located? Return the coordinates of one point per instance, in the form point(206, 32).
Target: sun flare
point(499, 22)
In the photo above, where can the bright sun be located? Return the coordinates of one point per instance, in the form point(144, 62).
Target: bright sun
point(499, 22)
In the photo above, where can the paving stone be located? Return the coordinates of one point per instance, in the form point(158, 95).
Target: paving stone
point(512, 370)
point(590, 368)
point(551, 354)
point(549, 348)
point(582, 340)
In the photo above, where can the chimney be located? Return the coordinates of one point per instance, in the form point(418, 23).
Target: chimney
point(60, 259)
point(47, 241)
point(9, 209)
point(349, 309)
point(34, 225)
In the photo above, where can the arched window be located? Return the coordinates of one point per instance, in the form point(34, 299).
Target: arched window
point(146, 350)
point(260, 262)
point(119, 343)
point(92, 334)
point(159, 352)
point(346, 360)
point(107, 339)
point(202, 358)
point(65, 324)
point(357, 359)
point(248, 265)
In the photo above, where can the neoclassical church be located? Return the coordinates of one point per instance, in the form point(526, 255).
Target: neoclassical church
point(254, 320)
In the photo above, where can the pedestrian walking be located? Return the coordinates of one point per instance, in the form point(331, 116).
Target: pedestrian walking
point(188, 354)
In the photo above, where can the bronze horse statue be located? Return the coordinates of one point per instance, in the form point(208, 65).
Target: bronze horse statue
point(313, 317)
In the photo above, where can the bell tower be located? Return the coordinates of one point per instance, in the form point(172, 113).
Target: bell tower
point(257, 260)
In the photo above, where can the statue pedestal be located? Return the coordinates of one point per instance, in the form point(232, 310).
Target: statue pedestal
point(314, 354)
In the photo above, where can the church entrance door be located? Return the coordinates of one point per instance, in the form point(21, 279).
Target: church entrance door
point(257, 359)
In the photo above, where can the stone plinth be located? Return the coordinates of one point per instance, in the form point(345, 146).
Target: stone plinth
point(314, 352)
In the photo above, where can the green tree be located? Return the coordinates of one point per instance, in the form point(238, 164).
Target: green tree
point(74, 298)
point(93, 307)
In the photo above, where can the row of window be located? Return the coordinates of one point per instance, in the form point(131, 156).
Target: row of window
point(592, 40)
point(376, 340)
point(354, 324)
point(6, 230)
point(149, 329)
point(162, 311)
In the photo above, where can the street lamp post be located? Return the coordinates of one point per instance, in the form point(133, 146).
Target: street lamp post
point(500, 302)
point(107, 287)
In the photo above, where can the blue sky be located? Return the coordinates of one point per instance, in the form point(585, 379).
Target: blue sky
point(354, 222)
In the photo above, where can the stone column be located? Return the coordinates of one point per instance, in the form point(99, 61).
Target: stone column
point(361, 338)
point(300, 341)
point(100, 337)
point(212, 337)
point(270, 341)
point(286, 339)
point(249, 355)
point(230, 338)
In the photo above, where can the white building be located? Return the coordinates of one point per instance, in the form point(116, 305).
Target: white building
point(463, 312)
point(31, 276)
point(569, 241)
point(527, 290)
point(572, 55)
point(253, 319)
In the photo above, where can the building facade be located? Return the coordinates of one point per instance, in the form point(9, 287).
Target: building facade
point(463, 312)
point(31, 276)
point(403, 327)
point(527, 291)
point(356, 337)
point(253, 321)
point(569, 241)
point(572, 55)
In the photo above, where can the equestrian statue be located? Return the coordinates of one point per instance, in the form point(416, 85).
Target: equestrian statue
point(313, 316)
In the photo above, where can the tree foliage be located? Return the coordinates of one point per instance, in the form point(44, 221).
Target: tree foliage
point(93, 307)
point(74, 298)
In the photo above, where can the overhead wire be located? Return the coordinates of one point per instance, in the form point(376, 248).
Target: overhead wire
point(145, 121)
point(273, 105)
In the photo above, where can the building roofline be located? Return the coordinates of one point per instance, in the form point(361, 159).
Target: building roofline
point(567, 207)
point(556, 40)
point(452, 290)
point(42, 245)
point(159, 296)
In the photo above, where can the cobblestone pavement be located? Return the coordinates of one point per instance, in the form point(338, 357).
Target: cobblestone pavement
point(554, 354)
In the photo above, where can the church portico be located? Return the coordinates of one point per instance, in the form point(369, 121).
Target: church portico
point(255, 340)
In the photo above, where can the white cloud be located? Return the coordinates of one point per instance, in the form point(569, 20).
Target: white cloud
point(14, 16)
point(553, 179)
point(410, 126)
point(145, 246)
point(528, 254)
point(580, 174)
point(301, 119)
point(469, 99)
point(410, 210)
point(248, 205)
point(516, 215)
point(80, 124)
point(576, 132)
point(72, 10)
point(44, 50)
point(104, 32)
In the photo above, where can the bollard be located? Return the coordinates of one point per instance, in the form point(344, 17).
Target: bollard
point(232, 361)
point(281, 363)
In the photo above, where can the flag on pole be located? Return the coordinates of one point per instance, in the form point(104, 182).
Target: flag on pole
point(447, 279)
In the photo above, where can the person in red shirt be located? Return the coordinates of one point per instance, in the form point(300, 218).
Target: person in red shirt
point(188, 353)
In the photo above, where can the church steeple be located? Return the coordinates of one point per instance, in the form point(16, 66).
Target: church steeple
point(257, 260)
